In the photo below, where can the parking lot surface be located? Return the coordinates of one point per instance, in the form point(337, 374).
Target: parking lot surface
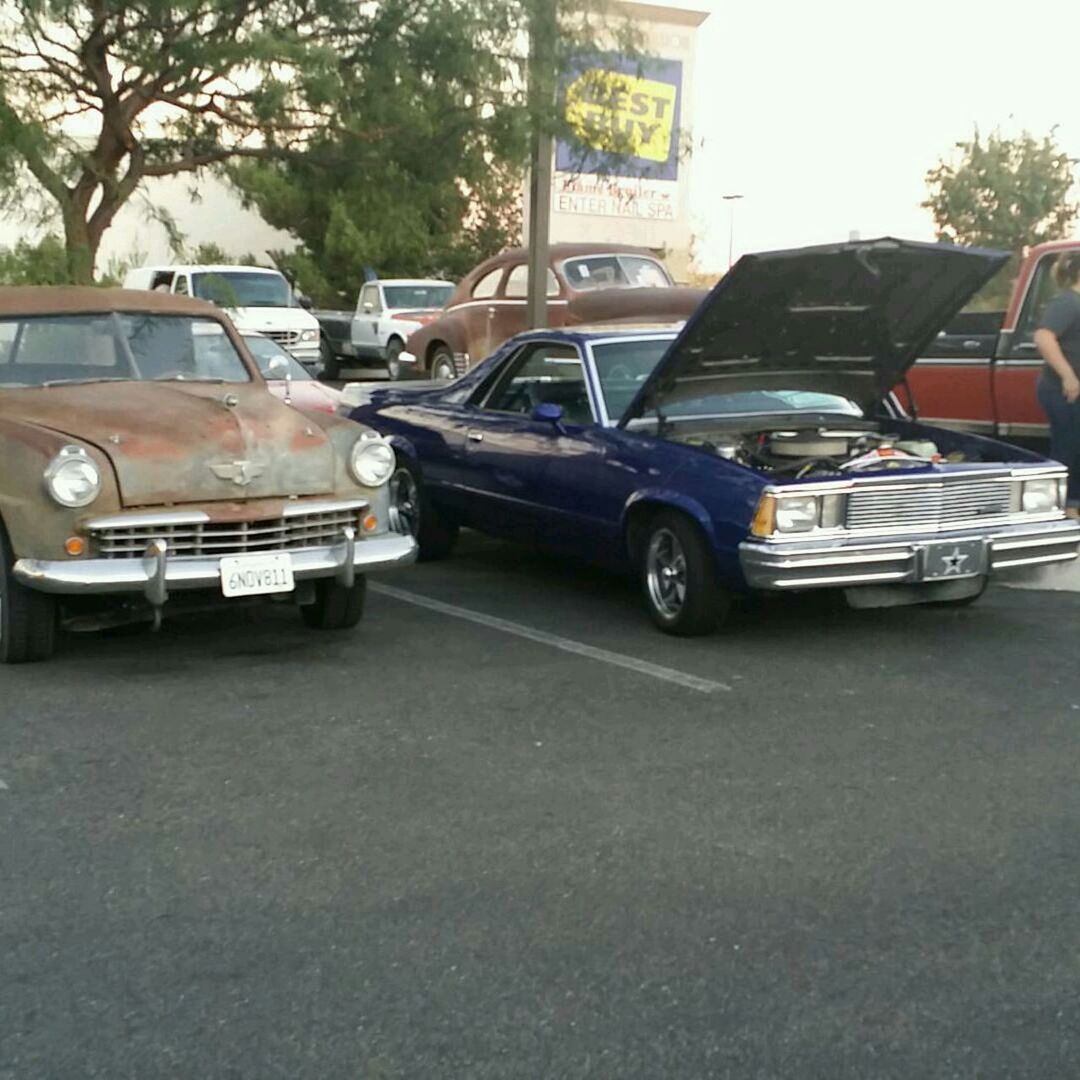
point(506, 829)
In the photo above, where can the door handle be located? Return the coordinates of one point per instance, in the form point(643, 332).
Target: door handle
point(491, 312)
point(474, 436)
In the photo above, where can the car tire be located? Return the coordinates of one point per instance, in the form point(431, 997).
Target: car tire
point(27, 618)
point(336, 607)
point(442, 363)
point(331, 369)
point(393, 363)
point(413, 513)
point(681, 587)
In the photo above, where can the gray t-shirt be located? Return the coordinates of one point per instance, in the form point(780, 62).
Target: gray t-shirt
point(1062, 317)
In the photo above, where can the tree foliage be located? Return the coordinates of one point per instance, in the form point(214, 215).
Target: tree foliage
point(422, 173)
point(1003, 193)
point(97, 96)
point(388, 133)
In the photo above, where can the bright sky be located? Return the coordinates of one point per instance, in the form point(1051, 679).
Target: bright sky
point(826, 115)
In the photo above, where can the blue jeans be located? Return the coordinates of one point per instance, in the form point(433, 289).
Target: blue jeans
point(1064, 432)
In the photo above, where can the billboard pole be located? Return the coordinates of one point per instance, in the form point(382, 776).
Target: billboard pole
point(542, 31)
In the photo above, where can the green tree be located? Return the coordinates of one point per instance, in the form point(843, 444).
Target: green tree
point(1007, 193)
point(97, 96)
point(422, 173)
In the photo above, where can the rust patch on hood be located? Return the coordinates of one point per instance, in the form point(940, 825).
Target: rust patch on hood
point(187, 442)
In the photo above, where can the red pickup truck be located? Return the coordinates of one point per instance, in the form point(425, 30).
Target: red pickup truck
point(980, 373)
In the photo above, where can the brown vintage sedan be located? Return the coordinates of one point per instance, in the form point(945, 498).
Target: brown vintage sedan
point(587, 283)
point(147, 468)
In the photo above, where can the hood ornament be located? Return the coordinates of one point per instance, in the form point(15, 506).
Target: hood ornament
point(241, 473)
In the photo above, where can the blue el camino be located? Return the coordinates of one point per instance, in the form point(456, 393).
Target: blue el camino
point(760, 447)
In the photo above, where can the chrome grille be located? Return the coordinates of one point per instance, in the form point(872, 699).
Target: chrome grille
point(283, 337)
point(214, 538)
point(933, 505)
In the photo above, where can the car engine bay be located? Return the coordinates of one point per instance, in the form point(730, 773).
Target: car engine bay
point(821, 451)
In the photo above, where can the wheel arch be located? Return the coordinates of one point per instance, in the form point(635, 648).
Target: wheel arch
point(643, 506)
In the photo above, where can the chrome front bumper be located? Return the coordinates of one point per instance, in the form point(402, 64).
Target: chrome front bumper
point(157, 573)
point(900, 560)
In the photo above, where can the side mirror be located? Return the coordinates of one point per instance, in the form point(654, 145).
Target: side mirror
point(278, 368)
point(369, 308)
point(548, 411)
point(304, 302)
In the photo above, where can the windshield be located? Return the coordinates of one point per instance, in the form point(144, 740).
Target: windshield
point(90, 348)
point(623, 366)
point(615, 272)
point(264, 350)
point(417, 296)
point(239, 288)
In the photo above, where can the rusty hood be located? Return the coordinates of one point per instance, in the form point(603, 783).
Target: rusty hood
point(179, 443)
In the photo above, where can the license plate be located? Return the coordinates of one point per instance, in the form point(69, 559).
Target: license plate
point(256, 575)
point(954, 559)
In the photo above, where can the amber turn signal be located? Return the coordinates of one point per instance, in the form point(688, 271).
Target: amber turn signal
point(371, 523)
point(74, 546)
point(764, 523)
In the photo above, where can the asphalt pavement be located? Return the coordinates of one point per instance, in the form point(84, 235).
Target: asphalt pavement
point(506, 829)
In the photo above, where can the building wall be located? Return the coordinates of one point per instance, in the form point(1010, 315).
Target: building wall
point(652, 211)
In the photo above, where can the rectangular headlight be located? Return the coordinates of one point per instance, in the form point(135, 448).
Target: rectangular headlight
point(1040, 496)
point(797, 513)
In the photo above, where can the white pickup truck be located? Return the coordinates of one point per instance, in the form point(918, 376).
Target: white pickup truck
point(387, 312)
point(258, 299)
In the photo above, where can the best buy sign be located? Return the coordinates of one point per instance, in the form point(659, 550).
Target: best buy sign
point(610, 111)
point(625, 117)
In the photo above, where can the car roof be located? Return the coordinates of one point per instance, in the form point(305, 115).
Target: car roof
point(409, 281)
point(210, 268)
point(81, 300)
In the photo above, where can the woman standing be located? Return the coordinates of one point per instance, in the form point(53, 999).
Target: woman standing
point(1058, 341)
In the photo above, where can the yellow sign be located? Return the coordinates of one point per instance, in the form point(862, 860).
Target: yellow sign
point(622, 114)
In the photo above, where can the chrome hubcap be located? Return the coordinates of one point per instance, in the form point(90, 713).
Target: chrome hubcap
point(665, 573)
point(444, 368)
point(404, 503)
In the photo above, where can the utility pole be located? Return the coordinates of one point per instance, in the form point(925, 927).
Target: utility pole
point(543, 28)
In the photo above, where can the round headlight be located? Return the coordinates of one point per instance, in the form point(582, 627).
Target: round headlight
point(308, 335)
point(72, 478)
point(371, 462)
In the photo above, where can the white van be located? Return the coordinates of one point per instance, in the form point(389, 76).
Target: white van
point(257, 298)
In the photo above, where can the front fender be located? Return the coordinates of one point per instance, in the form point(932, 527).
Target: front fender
point(675, 500)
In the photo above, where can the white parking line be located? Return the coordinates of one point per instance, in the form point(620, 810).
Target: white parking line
point(631, 663)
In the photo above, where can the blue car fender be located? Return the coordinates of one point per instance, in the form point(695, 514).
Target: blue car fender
point(675, 500)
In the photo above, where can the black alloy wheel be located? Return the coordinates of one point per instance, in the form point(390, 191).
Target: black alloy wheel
point(412, 513)
point(682, 591)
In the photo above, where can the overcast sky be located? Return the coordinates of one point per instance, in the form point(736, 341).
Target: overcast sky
point(826, 115)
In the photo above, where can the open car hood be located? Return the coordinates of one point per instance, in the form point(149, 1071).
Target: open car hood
point(846, 319)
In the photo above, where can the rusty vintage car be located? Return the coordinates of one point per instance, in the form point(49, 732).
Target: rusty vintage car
point(147, 468)
point(587, 283)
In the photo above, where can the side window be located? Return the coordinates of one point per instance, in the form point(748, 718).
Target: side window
point(369, 295)
point(543, 373)
point(1040, 292)
point(517, 284)
point(180, 286)
point(488, 285)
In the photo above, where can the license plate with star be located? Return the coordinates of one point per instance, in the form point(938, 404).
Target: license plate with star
point(954, 559)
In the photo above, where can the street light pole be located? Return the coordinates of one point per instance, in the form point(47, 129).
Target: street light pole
point(731, 200)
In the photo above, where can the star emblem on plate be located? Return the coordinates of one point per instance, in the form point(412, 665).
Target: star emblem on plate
point(954, 561)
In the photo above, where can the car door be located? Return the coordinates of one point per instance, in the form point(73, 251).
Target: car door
point(1018, 365)
point(527, 475)
point(365, 324)
point(478, 316)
